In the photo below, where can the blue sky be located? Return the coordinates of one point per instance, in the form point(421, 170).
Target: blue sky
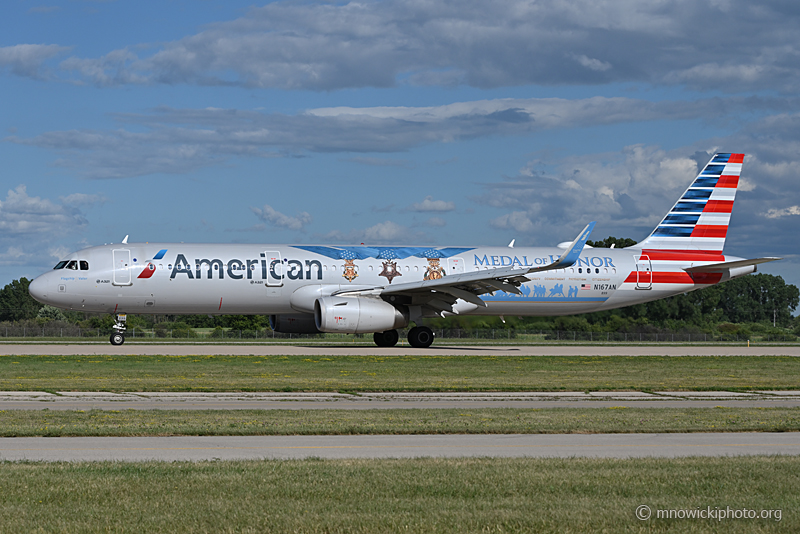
point(421, 122)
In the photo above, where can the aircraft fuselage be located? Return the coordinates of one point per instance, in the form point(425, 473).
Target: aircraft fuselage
point(285, 279)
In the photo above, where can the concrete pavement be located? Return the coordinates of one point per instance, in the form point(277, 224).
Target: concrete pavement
point(72, 400)
point(369, 349)
point(197, 448)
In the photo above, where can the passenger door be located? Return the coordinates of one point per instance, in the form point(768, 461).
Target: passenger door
point(122, 267)
point(644, 273)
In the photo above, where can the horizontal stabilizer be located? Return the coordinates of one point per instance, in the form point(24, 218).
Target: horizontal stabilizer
point(724, 266)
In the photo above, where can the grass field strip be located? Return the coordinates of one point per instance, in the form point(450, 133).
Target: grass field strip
point(332, 422)
point(482, 495)
point(430, 373)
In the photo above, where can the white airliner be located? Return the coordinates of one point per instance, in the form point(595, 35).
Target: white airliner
point(378, 289)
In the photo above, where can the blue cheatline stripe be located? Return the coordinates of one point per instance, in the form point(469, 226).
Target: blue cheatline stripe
point(362, 253)
point(681, 219)
point(721, 158)
point(697, 207)
point(697, 194)
point(673, 231)
point(506, 297)
point(160, 254)
point(706, 181)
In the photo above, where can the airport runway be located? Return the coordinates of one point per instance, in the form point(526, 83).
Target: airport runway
point(345, 349)
point(197, 448)
point(72, 400)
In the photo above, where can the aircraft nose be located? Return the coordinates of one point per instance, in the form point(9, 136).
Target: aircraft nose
point(38, 289)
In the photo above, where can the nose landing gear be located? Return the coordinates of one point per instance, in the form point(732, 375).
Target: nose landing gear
point(118, 337)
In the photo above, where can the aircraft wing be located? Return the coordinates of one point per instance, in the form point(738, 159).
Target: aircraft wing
point(440, 294)
point(719, 267)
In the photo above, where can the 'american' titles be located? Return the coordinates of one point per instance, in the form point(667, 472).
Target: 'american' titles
point(312, 269)
point(238, 269)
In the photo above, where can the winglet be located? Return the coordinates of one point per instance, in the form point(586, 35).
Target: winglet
point(125, 241)
point(570, 256)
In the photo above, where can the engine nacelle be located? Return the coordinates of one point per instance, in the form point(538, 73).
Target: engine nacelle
point(357, 315)
point(300, 323)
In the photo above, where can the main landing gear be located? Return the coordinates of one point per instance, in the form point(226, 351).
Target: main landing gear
point(386, 339)
point(118, 337)
point(419, 337)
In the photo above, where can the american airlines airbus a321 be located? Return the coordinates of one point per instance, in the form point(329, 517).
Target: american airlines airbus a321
point(378, 289)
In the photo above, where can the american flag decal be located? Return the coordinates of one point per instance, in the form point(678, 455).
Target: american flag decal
point(586, 286)
point(699, 220)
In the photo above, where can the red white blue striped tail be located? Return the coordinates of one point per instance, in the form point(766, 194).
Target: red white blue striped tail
point(699, 220)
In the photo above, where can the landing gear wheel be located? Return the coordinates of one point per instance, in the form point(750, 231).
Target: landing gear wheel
point(386, 339)
point(118, 337)
point(420, 337)
point(391, 337)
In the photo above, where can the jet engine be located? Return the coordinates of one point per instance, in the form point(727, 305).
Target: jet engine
point(357, 315)
point(300, 323)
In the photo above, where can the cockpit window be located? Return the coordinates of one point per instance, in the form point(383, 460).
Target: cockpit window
point(84, 265)
point(60, 265)
point(73, 264)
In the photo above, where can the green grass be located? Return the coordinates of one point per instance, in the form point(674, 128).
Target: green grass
point(419, 495)
point(18, 423)
point(396, 373)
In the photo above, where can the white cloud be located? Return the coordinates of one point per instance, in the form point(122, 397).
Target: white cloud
point(516, 220)
point(14, 256)
point(270, 215)
point(28, 59)
point(59, 252)
point(625, 192)
point(593, 64)
point(387, 232)
point(775, 213)
point(327, 46)
point(175, 141)
point(115, 68)
point(429, 204)
point(22, 215)
point(746, 185)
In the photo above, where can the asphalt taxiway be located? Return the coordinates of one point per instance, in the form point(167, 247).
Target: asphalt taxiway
point(100, 400)
point(354, 349)
point(198, 448)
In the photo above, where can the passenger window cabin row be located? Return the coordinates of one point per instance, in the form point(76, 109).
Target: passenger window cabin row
point(83, 265)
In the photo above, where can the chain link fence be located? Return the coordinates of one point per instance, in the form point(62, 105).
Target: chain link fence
point(455, 334)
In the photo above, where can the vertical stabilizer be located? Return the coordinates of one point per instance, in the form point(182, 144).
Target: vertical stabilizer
point(699, 221)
